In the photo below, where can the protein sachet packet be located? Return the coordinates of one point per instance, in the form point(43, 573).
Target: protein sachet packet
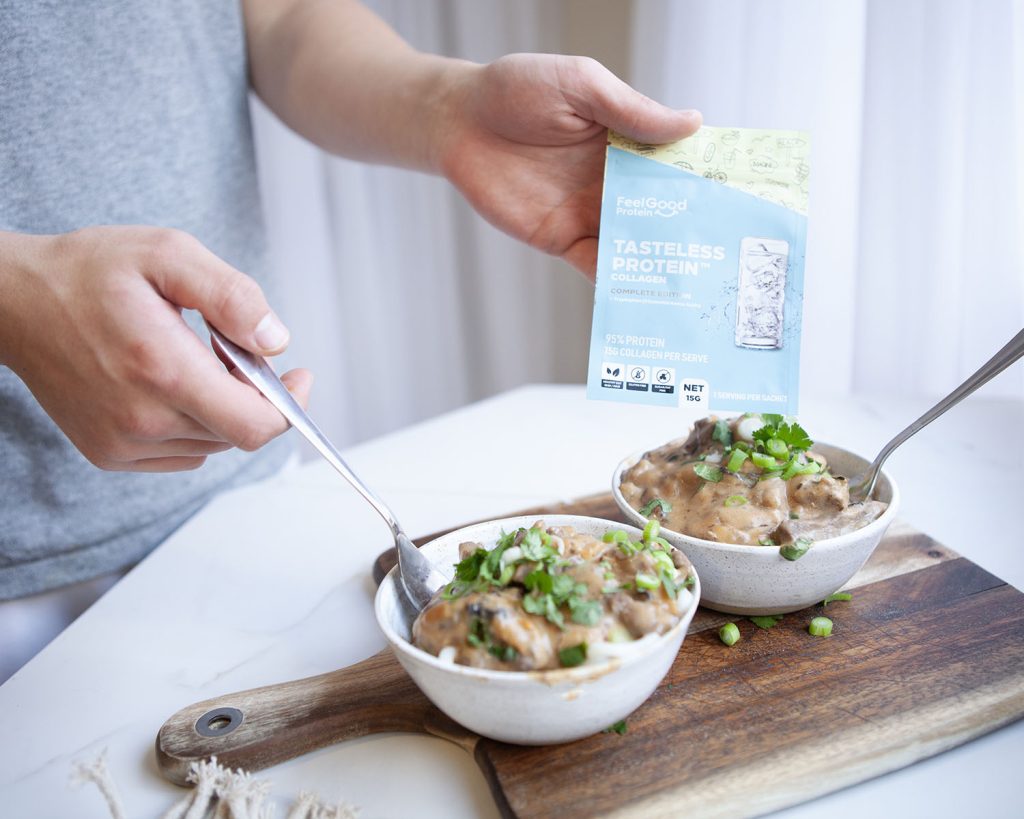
point(700, 271)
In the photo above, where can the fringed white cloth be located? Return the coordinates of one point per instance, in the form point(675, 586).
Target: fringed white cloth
point(219, 793)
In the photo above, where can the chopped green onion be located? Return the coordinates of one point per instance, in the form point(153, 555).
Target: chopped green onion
point(773, 474)
point(820, 627)
point(791, 469)
point(832, 598)
point(796, 550)
point(809, 468)
point(734, 500)
point(664, 544)
point(651, 530)
point(742, 445)
point(736, 460)
point(729, 634)
point(647, 581)
point(618, 728)
point(765, 621)
point(777, 448)
point(722, 432)
point(708, 472)
point(657, 503)
point(573, 656)
point(794, 515)
point(615, 536)
point(764, 540)
point(664, 561)
point(763, 461)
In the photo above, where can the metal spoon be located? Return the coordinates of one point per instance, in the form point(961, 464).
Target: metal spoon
point(419, 577)
point(862, 485)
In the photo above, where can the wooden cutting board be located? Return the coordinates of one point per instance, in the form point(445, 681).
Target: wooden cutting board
point(929, 654)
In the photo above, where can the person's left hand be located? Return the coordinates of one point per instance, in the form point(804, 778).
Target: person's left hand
point(525, 144)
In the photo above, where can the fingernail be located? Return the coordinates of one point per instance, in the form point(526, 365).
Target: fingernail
point(270, 333)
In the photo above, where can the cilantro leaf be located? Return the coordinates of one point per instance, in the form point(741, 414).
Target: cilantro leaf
point(585, 612)
point(722, 433)
point(573, 656)
point(618, 728)
point(663, 507)
point(765, 621)
point(468, 568)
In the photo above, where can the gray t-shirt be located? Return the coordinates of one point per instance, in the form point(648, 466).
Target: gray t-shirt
point(118, 112)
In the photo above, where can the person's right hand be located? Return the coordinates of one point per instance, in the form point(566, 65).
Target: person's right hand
point(91, 322)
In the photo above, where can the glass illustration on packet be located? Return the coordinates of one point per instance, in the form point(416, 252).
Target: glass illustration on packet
point(762, 293)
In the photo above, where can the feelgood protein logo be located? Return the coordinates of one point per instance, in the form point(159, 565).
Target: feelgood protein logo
point(649, 206)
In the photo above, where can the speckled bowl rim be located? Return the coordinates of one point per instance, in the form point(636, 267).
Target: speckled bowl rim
point(576, 675)
point(880, 524)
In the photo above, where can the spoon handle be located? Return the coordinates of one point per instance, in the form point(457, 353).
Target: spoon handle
point(262, 376)
point(1010, 352)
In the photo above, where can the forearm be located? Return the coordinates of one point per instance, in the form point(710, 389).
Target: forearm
point(337, 74)
point(19, 256)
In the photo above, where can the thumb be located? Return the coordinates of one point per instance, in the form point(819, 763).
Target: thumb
point(189, 275)
point(603, 98)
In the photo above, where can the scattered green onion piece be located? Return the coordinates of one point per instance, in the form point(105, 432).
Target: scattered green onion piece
point(820, 627)
point(765, 621)
point(618, 728)
point(651, 530)
point(810, 468)
point(729, 634)
point(573, 656)
point(657, 503)
point(742, 445)
point(615, 536)
point(722, 433)
point(796, 550)
point(664, 544)
point(736, 460)
point(794, 515)
point(764, 540)
point(647, 581)
point(772, 474)
point(664, 561)
point(777, 448)
point(708, 472)
point(832, 598)
point(763, 461)
point(734, 500)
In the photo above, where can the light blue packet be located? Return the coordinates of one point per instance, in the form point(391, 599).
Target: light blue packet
point(700, 272)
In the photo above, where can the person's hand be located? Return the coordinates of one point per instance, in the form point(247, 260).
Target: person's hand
point(524, 141)
point(92, 324)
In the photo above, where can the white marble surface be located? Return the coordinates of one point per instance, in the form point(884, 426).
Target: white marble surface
point(271, 583)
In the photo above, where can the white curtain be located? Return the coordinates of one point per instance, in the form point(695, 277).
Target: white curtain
point(915, 261)
point(401, 300)
point(406, 304)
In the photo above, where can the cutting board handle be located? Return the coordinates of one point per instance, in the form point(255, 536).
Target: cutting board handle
point(264, 726)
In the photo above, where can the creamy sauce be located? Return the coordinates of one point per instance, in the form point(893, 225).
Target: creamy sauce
point(488, 627)
point(743, 507)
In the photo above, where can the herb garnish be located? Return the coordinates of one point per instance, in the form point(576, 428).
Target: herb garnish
point(765, 621)
point(837, 596)
point(663, 507)
point(708, 472)
point(479, 636)
point(573, 656)
point(797, 549)
point(618, 728)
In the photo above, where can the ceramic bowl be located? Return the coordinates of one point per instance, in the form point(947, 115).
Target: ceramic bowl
point(756, 580)
point(530, 707)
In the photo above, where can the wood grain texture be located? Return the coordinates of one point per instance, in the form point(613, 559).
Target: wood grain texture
point(927, 655)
